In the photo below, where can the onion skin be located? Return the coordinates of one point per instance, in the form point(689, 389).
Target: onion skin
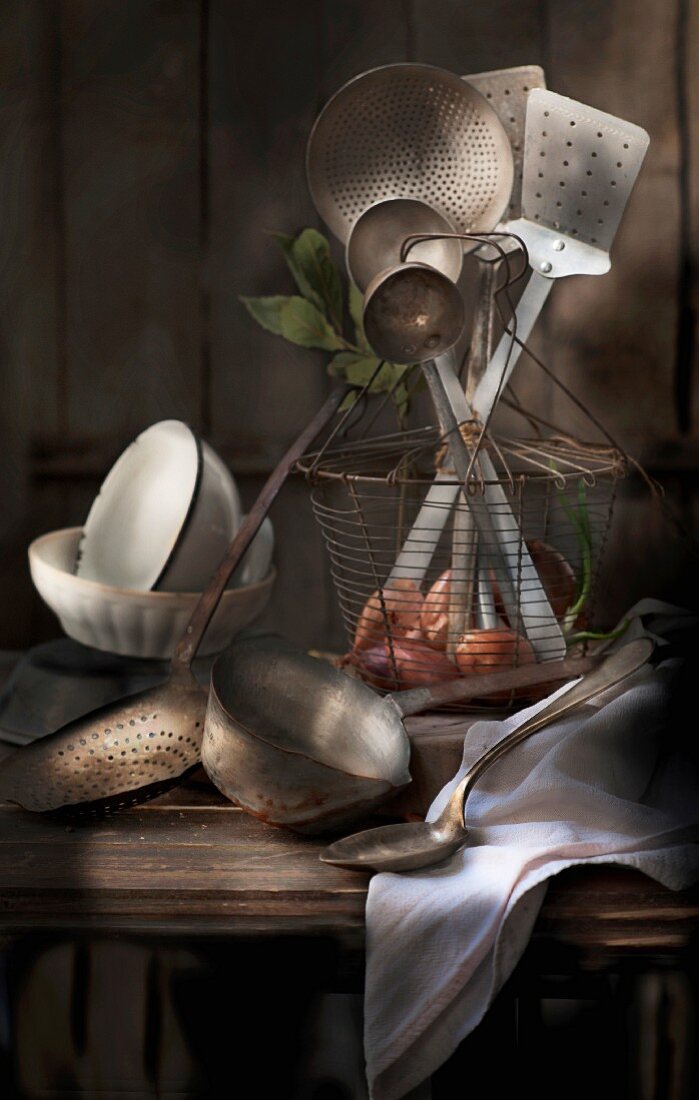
point(481, 651)
point(555, 573)
point(402, 603)
point(434, 618)
point(410, 662)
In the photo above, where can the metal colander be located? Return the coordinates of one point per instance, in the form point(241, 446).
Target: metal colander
point(409, 131)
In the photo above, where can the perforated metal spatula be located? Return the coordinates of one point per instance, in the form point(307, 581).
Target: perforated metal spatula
point(580, 166)
point(133, 749)
point(507, 91)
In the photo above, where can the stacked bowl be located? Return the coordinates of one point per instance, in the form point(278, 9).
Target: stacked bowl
point(128, 581)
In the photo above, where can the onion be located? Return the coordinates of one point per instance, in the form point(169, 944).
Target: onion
point(555, 573)
point(393, 610)
point(375, 665)
point(419, 664)
point(434, 618)
point(410, 662)
point(482, 651)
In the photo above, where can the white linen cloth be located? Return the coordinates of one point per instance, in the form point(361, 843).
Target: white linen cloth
point(598, 786)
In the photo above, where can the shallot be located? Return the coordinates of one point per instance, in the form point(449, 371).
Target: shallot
point(393, 610)
point(407, 662)
point(555, 574)
point(434, 618)
point(481, 651)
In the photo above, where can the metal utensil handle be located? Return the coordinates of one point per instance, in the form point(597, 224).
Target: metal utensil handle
point(210, 597)
point(421, 541)
point(486, 615)
point(479, 686)
point(423, 538)
point(497, 526)
point(500, 367)
point(481, 349)
point(613, 669)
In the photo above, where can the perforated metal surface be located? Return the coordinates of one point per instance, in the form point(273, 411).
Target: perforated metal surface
point(409, 131)
point(506, 90)
point(580, 165)
point(111, 754)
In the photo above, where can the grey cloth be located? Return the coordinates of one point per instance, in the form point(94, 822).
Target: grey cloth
point(61, 680)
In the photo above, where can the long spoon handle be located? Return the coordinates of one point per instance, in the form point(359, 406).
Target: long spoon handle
point(210, 597)
point(483, 684)
point(612, 671)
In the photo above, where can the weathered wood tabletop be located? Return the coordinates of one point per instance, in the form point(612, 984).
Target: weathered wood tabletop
point(192, 866)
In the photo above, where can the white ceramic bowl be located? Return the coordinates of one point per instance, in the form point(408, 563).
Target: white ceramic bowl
point(134, 624)
point(164, 516)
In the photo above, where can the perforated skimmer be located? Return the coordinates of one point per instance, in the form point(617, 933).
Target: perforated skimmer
point(409, 131)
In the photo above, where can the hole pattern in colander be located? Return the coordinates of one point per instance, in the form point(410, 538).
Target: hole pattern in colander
point(400, 138)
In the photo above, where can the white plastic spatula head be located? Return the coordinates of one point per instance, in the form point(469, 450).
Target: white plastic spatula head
point(580, 165)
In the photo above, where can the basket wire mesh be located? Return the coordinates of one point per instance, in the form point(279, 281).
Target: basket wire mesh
point(447, 620)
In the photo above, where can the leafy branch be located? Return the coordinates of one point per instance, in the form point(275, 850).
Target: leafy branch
point(314, 318)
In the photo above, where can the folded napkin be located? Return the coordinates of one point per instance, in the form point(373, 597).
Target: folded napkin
point(605, 784)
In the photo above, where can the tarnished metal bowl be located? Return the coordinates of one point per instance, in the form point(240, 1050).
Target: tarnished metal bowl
point(297, 743)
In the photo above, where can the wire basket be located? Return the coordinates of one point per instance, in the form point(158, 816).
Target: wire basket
point(437, 622)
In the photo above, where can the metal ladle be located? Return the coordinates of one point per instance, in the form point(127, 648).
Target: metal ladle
point(133, 749)
point(377, 237)
point(422, 844)
point(304, 746)
point(412, 313)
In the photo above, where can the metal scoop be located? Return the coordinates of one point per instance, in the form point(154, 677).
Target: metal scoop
point(412, 312)
point(302, 745)
point(133, 749)
point(375, 242)
point(422, 844)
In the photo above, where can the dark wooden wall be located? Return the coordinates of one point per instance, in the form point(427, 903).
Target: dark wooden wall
point(145, 148)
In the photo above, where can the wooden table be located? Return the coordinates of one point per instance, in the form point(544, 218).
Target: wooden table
point(192, 866)
point(191, 870)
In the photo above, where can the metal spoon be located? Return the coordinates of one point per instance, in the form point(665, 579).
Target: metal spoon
point(422, 844)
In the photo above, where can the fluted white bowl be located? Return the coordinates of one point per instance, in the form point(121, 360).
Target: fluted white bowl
point(130, 622)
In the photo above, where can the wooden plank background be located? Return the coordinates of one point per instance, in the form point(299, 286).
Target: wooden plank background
point(146, 149)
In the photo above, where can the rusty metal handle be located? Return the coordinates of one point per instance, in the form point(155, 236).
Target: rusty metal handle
point(211, 596)
point(481, 685)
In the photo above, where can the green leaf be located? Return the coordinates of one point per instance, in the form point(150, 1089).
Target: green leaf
point(267, 312)
point(401, 399)
point(359, 370)
point(356, 308)
point(303, 324)
point(308, 259)
point(286, 243)
point(350, 401)
point(316, 275)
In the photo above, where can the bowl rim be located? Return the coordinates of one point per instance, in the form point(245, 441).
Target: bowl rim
point(34, 555)
point(188, 512)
